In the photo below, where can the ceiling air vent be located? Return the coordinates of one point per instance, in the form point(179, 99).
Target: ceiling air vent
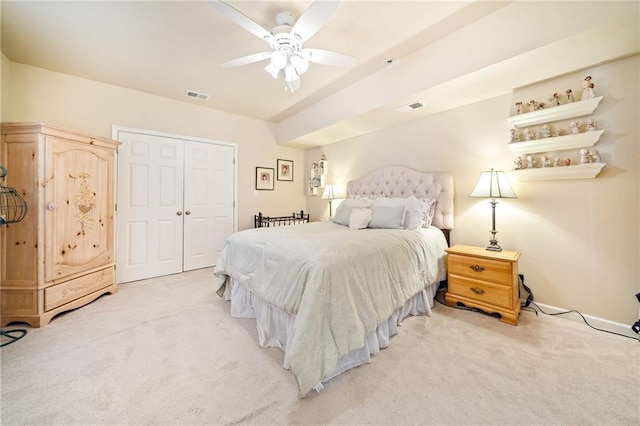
point(197, 95)
point(411, 107)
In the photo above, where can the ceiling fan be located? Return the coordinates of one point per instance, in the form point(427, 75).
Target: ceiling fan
point(285, 40)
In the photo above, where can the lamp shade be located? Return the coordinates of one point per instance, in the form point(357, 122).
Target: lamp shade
point(493, 184)
point(332, 192)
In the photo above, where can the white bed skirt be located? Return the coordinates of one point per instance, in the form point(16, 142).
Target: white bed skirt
point(275, 327)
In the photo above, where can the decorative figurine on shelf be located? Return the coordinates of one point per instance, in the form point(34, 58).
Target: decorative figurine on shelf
point(556, 162)
point(591, 124)
point(570, 97)
point(528, 134)
point(555, 99)
point(533, 105)
point(587, 88)
point(517, 163)
point(567, 161)
point(545, 161)
point(575, 127)
point(541, 105)
point(546, 131)
point(515, 135)
point(595, 156)
point(531, 161)
point(519, 108)
point(556, 132)
point(584, 156)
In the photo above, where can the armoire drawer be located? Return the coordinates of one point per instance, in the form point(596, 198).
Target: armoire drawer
point(59, 294)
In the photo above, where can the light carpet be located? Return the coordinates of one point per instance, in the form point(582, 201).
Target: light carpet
point(166, 351)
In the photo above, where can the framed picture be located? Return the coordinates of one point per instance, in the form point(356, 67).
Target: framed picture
point(285, 170)
point(264, 178)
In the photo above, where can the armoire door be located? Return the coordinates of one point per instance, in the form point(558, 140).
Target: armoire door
point(78, 207)
point(175, 204)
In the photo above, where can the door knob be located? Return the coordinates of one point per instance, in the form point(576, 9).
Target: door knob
point(179, 213)
point(188, 212)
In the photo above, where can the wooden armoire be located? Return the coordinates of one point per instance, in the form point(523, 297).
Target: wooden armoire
point(61, 255)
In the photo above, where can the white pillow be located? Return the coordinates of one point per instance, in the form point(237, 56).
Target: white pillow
point(343, 212)
point(387, 217)
point(414, 208)
point(359, 218)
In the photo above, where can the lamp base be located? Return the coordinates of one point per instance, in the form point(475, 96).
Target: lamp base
point(493, 246)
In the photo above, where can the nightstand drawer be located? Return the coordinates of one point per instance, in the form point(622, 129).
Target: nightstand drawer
point(481, 291)
point(481, 269)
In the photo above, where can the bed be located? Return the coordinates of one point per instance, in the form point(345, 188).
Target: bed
point(332, 293)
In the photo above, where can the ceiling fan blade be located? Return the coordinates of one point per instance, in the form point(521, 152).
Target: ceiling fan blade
point(242, 20)
point(249, 59)
point(327, 57)
point(314, 18)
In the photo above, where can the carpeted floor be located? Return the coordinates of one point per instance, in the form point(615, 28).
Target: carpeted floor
point(166, 351)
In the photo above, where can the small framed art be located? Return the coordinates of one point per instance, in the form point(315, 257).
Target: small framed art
point(264, 178)
point(285, 170)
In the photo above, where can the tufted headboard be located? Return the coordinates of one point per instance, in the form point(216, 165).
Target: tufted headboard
point(398, 181)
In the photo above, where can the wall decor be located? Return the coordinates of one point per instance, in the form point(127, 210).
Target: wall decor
point(285, 170)
point(264, 178)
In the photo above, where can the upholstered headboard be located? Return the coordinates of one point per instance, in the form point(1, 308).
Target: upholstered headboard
point(398, 181)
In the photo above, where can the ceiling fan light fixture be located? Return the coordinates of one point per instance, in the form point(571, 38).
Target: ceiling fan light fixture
point(290, 74)
point(272, 70)
point(299, 63)
point(279, 59)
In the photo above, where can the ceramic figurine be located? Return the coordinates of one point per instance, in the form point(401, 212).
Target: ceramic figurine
point(591, 124)
point(556, 132)
point(595, 156)
point(556, 162)
point(584, 156)
point(517, 163)
point(570, 97)
point(555, 99)
point(528, 134)
point(519, 108)
point(545, 161)
point(541, 105)
point(515, 135)
point(575, 127)
point(587, 88)
point(567, 161)
point(531, 161)
point(546, 131)
point(533, 105)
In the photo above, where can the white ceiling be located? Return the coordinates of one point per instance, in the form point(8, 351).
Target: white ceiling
point(168, 47)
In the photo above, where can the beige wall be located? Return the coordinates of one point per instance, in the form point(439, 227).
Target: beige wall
point(35, 94)
point(579, 239)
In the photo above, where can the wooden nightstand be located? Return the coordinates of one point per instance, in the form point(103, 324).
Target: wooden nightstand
point(486, 280)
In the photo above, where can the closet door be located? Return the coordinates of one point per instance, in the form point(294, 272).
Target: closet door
point(208, 202)
point(150, 206)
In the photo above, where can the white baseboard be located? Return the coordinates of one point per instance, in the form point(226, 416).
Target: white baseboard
point(597, 322)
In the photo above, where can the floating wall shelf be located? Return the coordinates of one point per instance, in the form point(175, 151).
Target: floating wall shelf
point(580, 171)
point(558, 143)
point(555, 113)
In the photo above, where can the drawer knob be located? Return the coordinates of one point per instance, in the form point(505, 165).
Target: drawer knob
point(477, 290)
point(477, 268)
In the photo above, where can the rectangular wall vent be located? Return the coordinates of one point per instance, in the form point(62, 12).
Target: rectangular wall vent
point(410, 107)
point(196, 95)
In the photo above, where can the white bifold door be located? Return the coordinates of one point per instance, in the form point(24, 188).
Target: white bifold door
point(175, 204)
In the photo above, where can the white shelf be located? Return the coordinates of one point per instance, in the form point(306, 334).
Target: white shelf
point(580, 171)
point(573, 141)
point(555, 113)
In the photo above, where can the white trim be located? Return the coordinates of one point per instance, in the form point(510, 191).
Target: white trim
point(580, 171)
point(555, 113)
point(597, 322)
point(580, 140)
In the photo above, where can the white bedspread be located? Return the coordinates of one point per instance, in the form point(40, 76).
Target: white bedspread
point(339, 283)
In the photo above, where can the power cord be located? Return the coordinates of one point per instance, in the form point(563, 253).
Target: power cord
point(21, 332)
point(538, 308)
point(443, 288)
